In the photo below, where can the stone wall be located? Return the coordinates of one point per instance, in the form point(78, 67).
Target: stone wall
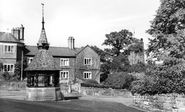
point(14, 85)
point(105, 92)
point(164, 102)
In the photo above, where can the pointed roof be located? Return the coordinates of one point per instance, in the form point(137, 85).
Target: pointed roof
point(8, 37)
point(43, 61)
point(43, 42)
point(43, 38)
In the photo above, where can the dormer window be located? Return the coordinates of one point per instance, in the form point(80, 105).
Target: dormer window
point(29, 60)
point(88, 61)
point(9, 48)
point(64, 62)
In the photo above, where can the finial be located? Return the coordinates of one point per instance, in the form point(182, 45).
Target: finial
point(42, 15)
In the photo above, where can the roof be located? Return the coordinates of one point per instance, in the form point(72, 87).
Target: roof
point(8, 37)
point(43, 61)
point(55, 51)
point(43, 38)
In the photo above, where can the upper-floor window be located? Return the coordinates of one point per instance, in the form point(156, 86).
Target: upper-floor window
point(88, 61)
point(87, 75)
point(29, 60)
point(64, 75)
point(64, 62)
point(8, 67)
point(9, 48)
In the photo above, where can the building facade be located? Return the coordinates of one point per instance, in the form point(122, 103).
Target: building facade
point(75, 63)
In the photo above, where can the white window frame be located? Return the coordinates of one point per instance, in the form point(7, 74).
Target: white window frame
point(9, 67)
point(62, 77)
point(29, 60)
point(87, 61)
point(8, 49)
point(87, 75)
point(65, 62)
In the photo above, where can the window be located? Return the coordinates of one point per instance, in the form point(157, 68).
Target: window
point(87, 61)
point(29, 60)
point(9, 49)
point(64, 75)
point(64, 62)
point(8, 67)
point(87, 75)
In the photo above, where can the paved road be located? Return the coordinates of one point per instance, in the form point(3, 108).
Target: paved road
point(12, 105)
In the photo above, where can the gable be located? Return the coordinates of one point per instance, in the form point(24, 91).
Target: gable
point(88, 52)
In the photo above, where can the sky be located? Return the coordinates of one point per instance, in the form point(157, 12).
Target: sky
point(86, 20)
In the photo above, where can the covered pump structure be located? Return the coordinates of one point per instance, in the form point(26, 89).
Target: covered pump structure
point(43, 72)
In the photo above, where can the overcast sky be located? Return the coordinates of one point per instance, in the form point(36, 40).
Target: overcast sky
point(86, 20)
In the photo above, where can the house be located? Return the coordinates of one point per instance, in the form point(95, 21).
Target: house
point(11, 48)
point(75, 63)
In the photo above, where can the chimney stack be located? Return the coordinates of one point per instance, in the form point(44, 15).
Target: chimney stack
point(18, 33)
point(71, 43)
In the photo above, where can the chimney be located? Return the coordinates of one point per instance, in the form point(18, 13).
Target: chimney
point(71, 43)
point(21, 33)
point(16, 33)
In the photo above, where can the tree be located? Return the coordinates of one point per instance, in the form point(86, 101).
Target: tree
point(167, 29)
point(17, 71)
point(100, 52)
point(167, 45)
point(119, 41)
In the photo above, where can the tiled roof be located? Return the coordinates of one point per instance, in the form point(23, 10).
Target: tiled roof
point(43, 38)
point(8, 37)
point(43, 60)
point(55, 51)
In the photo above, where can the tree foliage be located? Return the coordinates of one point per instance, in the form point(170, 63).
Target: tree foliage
point(118, 41)
point(167, 29)
point(17, 71)
point(167, 45)
point(120, 80)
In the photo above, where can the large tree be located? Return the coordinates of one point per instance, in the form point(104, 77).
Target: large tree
point(168, 45)
point(118, 41)
point(167, 29)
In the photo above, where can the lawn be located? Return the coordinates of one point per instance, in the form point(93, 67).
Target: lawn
point(10, 105)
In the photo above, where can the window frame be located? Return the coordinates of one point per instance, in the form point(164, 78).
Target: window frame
point(64, 59)
point(87, 62)
point(64, 78)
point(9, 66)
point(88, 75)
point(9, 49)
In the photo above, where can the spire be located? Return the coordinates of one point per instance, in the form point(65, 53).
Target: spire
point(43, 42)
point(42, 15)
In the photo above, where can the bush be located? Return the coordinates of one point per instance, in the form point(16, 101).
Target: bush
point(90, 81)
point(6, 76)
point(120, 80)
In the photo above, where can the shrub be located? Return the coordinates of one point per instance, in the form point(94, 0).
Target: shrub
point(121, 80)
point(90, 81)
point(6, 76)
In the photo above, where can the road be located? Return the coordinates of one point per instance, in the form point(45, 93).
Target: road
point(13, 105)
